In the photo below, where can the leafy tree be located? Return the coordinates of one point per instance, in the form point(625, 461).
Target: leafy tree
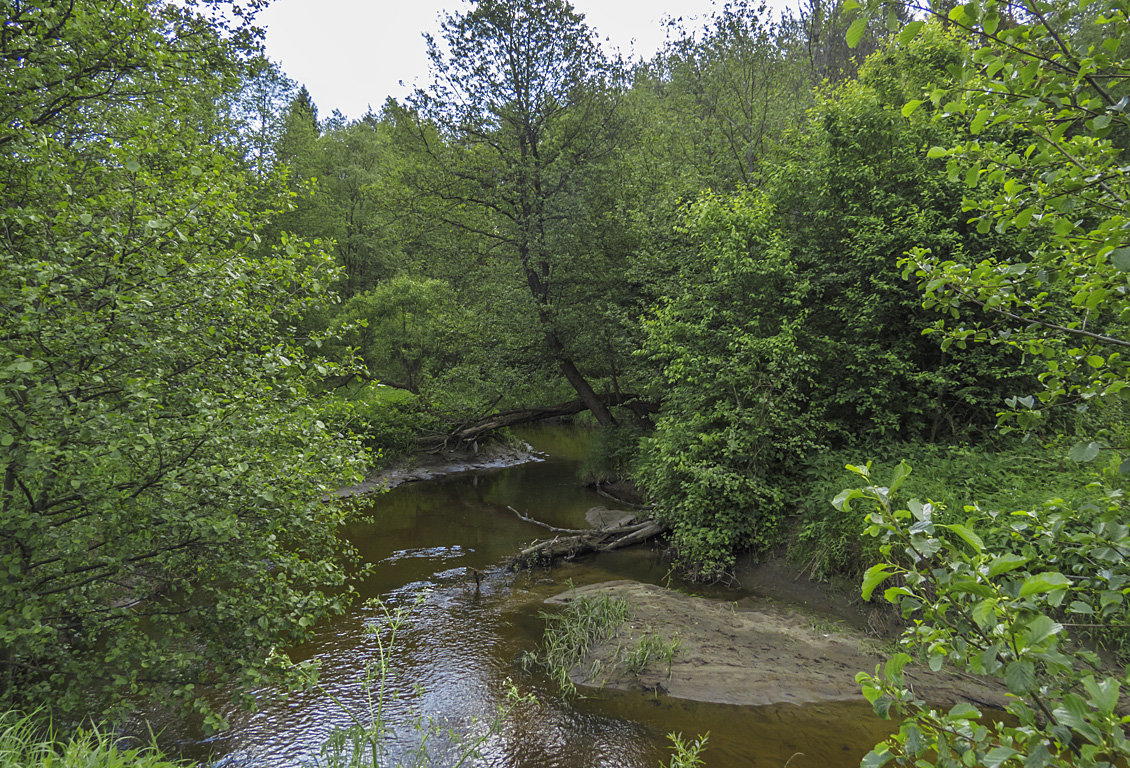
point(522, 109)
point(723, 95)
point(404, 329)
point(162, 459)
point(791, 329)
point(736, 386)
point(854, 192)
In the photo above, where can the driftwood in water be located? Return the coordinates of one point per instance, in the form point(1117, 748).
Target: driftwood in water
point(581, 542)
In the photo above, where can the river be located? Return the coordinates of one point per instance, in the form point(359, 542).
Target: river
point(463, 643)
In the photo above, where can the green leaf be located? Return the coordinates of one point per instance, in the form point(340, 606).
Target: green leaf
point(996, 756)
point(1104, 694)
point(1084, 452)
point(876, 758)
point(896, 663)
point(909, 107)
point(979, 121)
point(132, 166)
point(1041, 628)
point(856, 30)
point(936, 152)
point(967, 535)
point(1049, 581)
point(1005, 563)
point(910, 31)
point(984, 613)
point(1120, 258)
point(901, 473)
point(964, 711)
point(875, 576)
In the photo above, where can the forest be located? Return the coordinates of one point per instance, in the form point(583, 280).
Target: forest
point(887, 235)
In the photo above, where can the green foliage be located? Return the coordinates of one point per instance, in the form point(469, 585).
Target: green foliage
point(793, 329)
point(734, 409)
point(404, 330)
point(25, 744)
point(162, 455)
point(515, 145)
point(854, 193)
point(649, 648)
point(1012, 476)
point(611, 453)
point(687, 752)
point(1000, 594)
point(1045, 100)
point(1021, 594)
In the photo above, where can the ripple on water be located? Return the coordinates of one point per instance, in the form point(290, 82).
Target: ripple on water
point(453, 660)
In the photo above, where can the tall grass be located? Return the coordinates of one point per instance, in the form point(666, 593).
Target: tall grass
point(571, 633)
point(26, 743)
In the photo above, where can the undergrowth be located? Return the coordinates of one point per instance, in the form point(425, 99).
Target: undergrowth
point(828, 544)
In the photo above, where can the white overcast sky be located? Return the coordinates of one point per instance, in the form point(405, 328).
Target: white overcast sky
point(351, 54)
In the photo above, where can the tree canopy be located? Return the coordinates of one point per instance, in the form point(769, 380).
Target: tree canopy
point(163, 457)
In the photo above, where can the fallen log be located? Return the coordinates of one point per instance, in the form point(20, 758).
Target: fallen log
point(596, 540)
point(470, 432)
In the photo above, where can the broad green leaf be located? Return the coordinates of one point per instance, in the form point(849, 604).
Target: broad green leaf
point(1120, 258)
point(1104, 694)
point(1005, 563)
point(979, 121)
point(901, 473)
point(996, 756)
point(1084, 452)
point(910, 31)
point(876, 758)
point(909, 107)
point(964, 711)
point(856, 30)
point(874, 576)
point(1040, 583)
point(984, 613)
point(936, 152)
point(1041, 628)
point(967, 535)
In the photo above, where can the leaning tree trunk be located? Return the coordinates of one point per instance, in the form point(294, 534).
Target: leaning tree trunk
point(574, 377)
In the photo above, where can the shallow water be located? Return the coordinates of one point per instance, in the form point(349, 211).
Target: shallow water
point(463, 644)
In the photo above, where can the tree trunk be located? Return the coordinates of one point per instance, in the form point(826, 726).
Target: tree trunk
point(574, 377)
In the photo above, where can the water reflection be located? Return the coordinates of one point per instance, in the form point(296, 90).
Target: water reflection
point(455, 659)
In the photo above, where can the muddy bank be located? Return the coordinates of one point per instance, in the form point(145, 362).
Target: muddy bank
point(751, 652)
point(432, 466)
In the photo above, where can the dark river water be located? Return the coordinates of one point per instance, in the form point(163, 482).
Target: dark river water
point(459, 653)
